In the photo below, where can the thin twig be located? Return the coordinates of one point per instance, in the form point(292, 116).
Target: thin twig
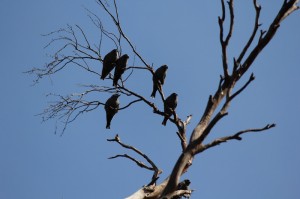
point(256, 26)
point(116, 22)
point(139, 163)
point(224, 43)
point(251, 78)
point(133, 102)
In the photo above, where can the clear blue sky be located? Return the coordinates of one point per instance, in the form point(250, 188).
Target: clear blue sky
point(37, 164)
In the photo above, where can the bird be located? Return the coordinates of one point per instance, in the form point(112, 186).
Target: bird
point(170, 105)
point(120, 68)
point(159, 79)
point(109, 62)
point(111, 108)
point(184, 185)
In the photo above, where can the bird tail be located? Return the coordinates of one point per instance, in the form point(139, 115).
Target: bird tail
point(164, 122)
point(115, 83)
point(108, 125)
point(153, 93)
point(108, 120)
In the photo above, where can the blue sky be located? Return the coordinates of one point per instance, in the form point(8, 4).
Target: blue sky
point(36, 163)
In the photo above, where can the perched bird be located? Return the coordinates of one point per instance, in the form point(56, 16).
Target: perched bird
point(111, 108)
point(170, 105)
point(120, 68)
point(109, 62)
point(159, 78)
point(184, 185)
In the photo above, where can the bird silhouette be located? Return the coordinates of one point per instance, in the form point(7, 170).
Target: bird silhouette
point(109, 63)
point(120, 68)
point(159, 79)
point(111, 108)
point(184, 185)
point(170, 105)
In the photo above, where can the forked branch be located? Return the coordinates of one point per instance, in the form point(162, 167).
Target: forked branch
point(153, 166)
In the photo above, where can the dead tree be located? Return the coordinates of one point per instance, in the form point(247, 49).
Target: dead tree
point(77, 50)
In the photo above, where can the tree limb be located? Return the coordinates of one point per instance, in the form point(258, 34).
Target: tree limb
point(117, 23)
point(224, 43)
point(256, 26)
point(202, 130)
point(154, 167)
point(287, 8)
point(236, 136)
point(139, 163)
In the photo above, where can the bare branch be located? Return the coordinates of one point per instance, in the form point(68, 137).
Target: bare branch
point(137, 67)
point(231, 10)
point(77, 53)
point(252, 77)
point(135, 101)
point(117, 23)
point(182, 131)
point(139, 163)
point(152, 105)
point(224, 43)
point(289, 7)
point(154, 167)
point(286, 9)
point(223, 112)
point(262, 33)
point(223, 11)
point(256, 26)
point(86, 40)
point(69, 108)
point(236, 136)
